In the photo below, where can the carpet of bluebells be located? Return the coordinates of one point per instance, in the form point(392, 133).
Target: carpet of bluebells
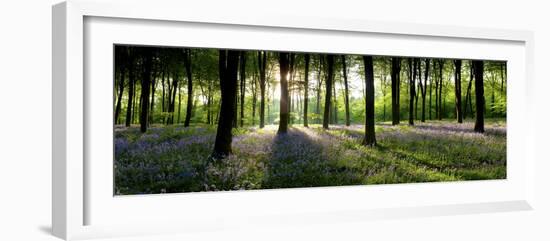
point(175, 159)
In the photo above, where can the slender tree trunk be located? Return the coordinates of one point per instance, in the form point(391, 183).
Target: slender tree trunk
point(346, 89)
point(254, 95)
point(243, 84)
point(423, 88)
point(480, 100)
point(228, 66)
point(187, 63)
point(436, 80)
point(284, 111)
point(334, 102)
point(209, 104)
point(329, 80)
point(468, 101)
point(430, 95)
point(395, 79)
point(131, 90)
point(162, 104)
point(120, 92)
point(319, 84)
point(306, 87)
point(458, 91)
point(179, 105)
point(412, 84)
point(134, 109)
point(152, 103)
point(172, 105)
point(262, 63)
point(441, 65)
point(418, 66)
point(502, 77)
point(145, 87)
point(370, 136)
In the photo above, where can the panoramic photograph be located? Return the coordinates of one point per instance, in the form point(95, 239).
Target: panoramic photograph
point(205, 119)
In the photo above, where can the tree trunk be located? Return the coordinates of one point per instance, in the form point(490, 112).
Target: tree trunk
point(370, 137)
point(284, 111)
point(458, 90)
point(172, 105)
point(131, 90)
point(346, 89)
point(468, 101)
point(306, 87)
point(145, 87)
point(436, 79)
point(319, 84)
point(118, 107)
point(441, 65)
point(395, 79)
point(254, 95)
point(423, 89)
point(209, 104)
point(328, 95)
point(163, 102)
point(187, 63)
point(412, 84)
point(152, 102)
point(502, 77)
point(228, 66)
point(480, 100)
point(243, 84)
point(262, 63)
point(419, 75)
point(430, 95)
point(334, 103)
point(179, 105)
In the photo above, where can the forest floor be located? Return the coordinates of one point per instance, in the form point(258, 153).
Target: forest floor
point(175, 159)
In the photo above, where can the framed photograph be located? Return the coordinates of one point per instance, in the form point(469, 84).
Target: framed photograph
point(166, 122)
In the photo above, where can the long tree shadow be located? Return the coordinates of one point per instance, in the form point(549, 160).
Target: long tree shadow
point(423, 152)
point(299, 158)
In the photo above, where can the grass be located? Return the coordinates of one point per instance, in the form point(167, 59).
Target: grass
point(175, 159)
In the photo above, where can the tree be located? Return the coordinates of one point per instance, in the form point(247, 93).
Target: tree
point(243, 84)
point(187, 63)
point(145, 87)
point(412, 91)
point(458, 91)
point(440, 111)
point(262, 63)
point(468, 100)
point(328, 95)
point(346, 89)
point(480, 98)
point(319, 85)
point(370, 137)
point(228, 65)
point(120, 58)
point(383, 84)
point(131, 86)
point(395, 79)
point(172, 89)
point(306, 87)
point(153, 90)
point(422, 85)
point(284, 60)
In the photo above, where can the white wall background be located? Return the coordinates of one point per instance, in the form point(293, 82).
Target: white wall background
point(25, 119)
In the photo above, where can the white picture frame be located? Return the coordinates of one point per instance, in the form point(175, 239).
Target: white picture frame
point(78, 195)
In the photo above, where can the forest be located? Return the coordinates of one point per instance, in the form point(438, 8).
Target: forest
point(198, 119)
